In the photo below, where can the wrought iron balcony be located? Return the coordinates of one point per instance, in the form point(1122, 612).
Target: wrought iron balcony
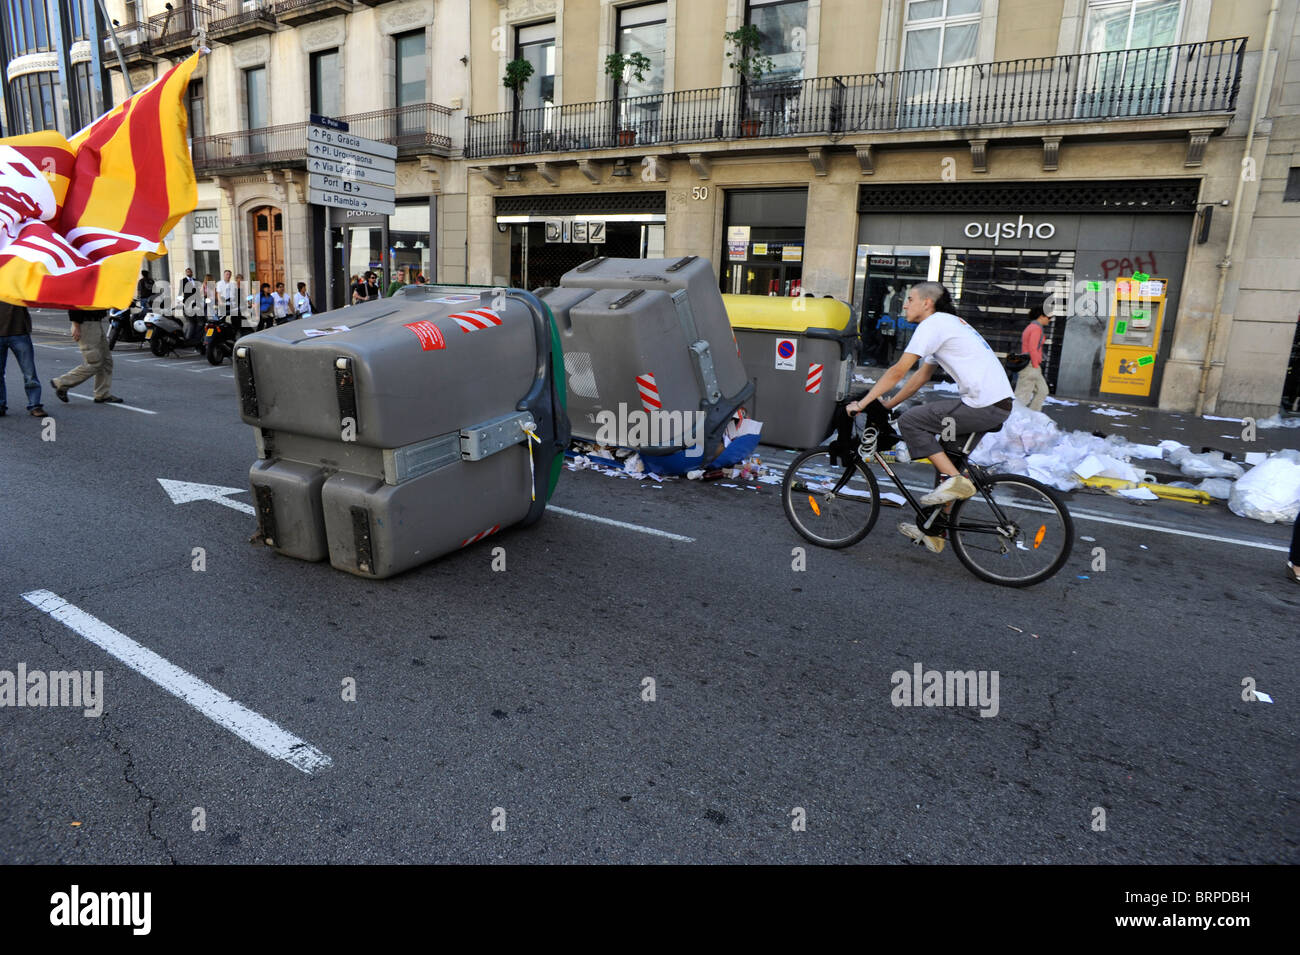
point(237, 20)
point(173, 31)
point(421, 128)
point(135, 39)
point(295, 13)
point(1193, 78)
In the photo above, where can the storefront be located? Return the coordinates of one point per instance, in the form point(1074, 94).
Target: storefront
point(763, 241)
point(1003, 248)
point(549, 235)
point(361, 243)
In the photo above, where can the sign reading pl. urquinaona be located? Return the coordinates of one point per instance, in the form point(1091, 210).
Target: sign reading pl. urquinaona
point(349, 172)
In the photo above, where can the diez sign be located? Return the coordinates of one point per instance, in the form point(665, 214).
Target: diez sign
point(1020, 229)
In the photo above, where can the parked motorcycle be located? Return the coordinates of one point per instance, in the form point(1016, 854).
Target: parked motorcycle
point(126, 324)
point(166, 334)
point(219, 335)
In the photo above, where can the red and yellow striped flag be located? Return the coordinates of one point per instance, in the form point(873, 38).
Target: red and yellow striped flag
point(78, 219)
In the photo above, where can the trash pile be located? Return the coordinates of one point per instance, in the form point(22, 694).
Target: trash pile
point(1030, 443)
point(626, 463)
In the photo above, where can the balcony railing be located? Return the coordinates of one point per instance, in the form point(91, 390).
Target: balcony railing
point(135, 38)
point(236, 19)
point(174, 29)
point(1089, 87)
point(423, 126)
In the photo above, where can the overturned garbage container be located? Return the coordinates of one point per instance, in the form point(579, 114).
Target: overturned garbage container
point(648, 354)
point(397, 431)
point(799, 353)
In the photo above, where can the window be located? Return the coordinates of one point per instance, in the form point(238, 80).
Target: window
point(1292, 193)
point(256, 104)
point(325, 83)
point(194, 108)
point(410, 81)
point(937, 35)
point(783, 25)
point(1130, 73)
point(941, 33)
point(34, 102)
point(536, 44)
point(644, 30)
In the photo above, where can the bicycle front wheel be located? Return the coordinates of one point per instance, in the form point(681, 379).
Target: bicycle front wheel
point(1013, 532)
point(832, 505)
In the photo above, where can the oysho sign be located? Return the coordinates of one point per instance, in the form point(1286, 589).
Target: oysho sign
point(1020, 229)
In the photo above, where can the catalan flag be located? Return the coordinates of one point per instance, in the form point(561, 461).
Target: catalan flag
point(78, 218)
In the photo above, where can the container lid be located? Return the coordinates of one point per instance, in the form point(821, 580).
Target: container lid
point(771, 313)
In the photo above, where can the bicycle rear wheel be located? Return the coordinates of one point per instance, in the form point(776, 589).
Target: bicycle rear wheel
point(832, 505)
point(1013, 532)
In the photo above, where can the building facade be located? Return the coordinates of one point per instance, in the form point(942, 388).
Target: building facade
point(1018, 150)
point(53, 75)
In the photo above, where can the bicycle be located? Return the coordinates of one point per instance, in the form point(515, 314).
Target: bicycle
point(1014, 531)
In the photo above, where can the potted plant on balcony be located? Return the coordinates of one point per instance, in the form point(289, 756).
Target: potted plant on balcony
point(625, 67)
point(750, 65)
point(518, 72)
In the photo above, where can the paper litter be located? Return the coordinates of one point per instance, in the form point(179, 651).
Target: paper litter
point(1270, 492)
point(1113, 412)
point(1277, 421)
point(1139, 494)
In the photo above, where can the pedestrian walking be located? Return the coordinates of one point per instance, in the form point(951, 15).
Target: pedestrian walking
point(96, 359)
point(265, 307)
point(1031, 389)
point(399, 281)
point(356, 290)
point(280, 304)
point(16, 336)
point(302, 302)
point(372, 287)
point(227, 295)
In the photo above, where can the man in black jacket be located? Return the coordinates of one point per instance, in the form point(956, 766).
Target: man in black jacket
point(96, 359)
point(16, 336)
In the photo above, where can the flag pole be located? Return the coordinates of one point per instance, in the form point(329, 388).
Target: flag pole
point(117, 48)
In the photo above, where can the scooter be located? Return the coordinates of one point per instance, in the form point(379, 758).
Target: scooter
point(219, 335)
point(166, 333)
point(126, 324)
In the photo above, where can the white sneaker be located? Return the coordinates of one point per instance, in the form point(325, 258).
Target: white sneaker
point(956, 488)
point(933, 544)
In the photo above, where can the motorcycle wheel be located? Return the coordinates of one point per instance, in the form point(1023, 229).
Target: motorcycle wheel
point(114, 330)
point(158, 345)
point(216, 354)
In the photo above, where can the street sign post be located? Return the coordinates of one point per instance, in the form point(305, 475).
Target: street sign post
point(356, 203)
point(343, 170)
point(342, 140)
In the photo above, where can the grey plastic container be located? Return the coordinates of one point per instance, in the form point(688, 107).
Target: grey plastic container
point(691, 274)
point(399, 436)
point(793, 415)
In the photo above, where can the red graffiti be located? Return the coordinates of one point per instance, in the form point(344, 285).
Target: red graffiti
point(1127, 266)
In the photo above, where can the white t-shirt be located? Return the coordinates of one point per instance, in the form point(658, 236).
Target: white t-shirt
point(301, 304)
point(945, 340)
point(280, 305)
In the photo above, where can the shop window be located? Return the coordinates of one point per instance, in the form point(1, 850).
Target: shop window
point(409, 238)
point(764, 241)
point(194, 104)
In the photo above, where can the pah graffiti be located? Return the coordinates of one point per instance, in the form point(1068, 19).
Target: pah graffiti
point(1127, 266)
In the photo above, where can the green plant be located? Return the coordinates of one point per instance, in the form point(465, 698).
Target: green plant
point(744, 57)
point(518, 73)
point(625, 67)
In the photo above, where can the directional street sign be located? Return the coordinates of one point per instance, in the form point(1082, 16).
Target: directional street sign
point(349, 187)
point(333, 137)
point(353, 202)
point(343, 170)
point(340, 154)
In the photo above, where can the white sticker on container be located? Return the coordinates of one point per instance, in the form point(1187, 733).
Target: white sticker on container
point(786, 350)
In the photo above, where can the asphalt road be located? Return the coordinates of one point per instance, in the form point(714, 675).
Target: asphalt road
point(522, 690)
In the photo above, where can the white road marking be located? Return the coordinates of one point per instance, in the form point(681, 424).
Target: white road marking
point(113, 404)
point(59, 347)
point(253, 728)
point(623, 524)
point(182, 492)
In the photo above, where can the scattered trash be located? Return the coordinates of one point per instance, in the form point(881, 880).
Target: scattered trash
point(1113, 412)
point(1138, 494)
point(892, 498)
point(1060, 401)
point(1256, 457)
point(1091, 540)
point(1210, 417)
point(1262, 697)
point(1270, 492)
point(1144, 546)
point(1218, 488)
point(1016, 629)
point(1084, 577)
point(1277, 421)
point(1208, 464)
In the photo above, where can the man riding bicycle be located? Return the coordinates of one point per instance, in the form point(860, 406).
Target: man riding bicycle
point(985, 396)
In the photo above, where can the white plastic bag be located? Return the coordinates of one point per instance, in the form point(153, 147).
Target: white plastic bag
point(1211, 464)
point(1218, 488)
point(1269, 493)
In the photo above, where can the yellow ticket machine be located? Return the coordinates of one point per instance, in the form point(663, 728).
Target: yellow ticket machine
point(1133, 336)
